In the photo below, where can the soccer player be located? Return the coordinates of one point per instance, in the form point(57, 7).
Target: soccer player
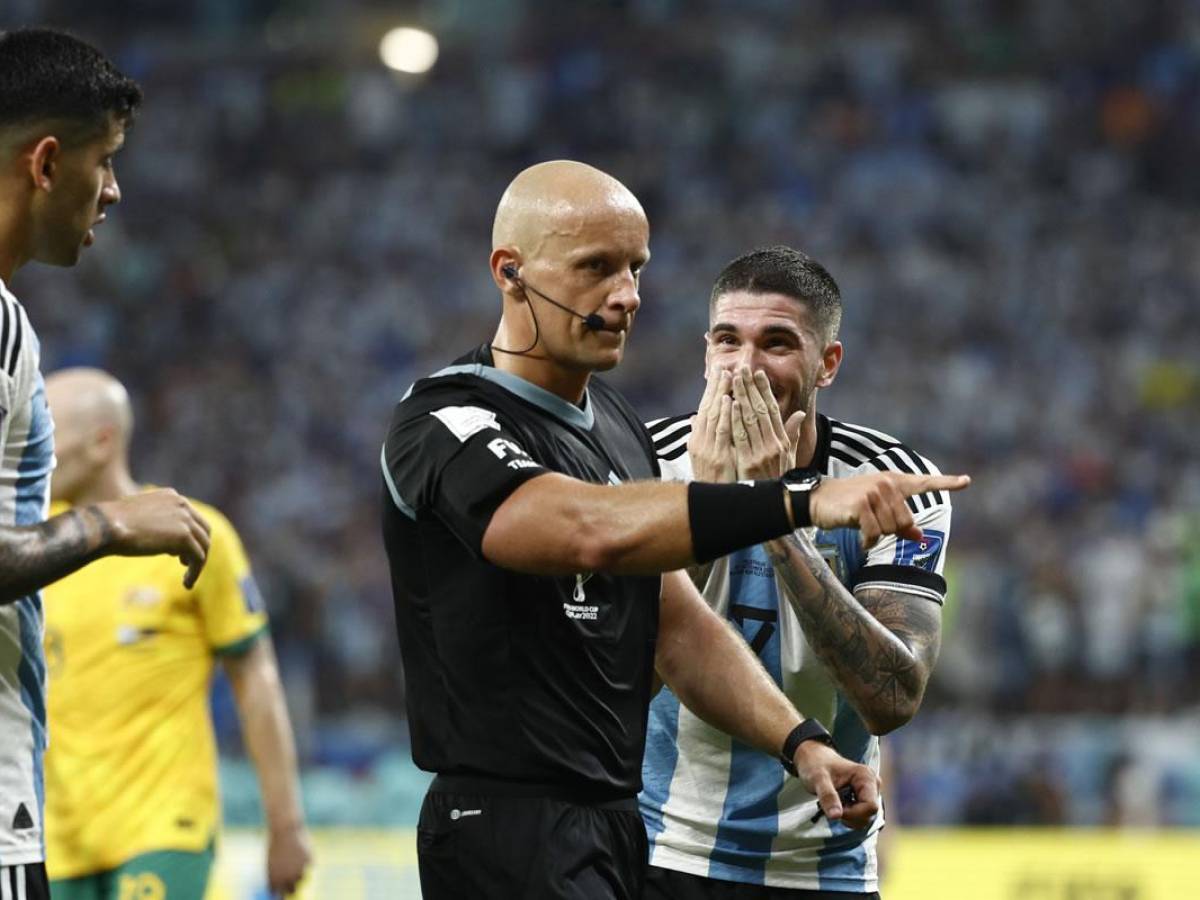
point(527, 532)
point(131, 779)
point(850, 633)
point(63, 114)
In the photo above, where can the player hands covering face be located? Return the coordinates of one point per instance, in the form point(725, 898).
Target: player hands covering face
point(765, 358)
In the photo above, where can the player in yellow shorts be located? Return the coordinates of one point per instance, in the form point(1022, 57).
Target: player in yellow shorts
point(131, 773)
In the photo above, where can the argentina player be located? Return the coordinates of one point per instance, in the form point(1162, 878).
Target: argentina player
point(851, 635)
point(64, 110)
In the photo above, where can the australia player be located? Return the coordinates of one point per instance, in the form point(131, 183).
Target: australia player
point(131, 780)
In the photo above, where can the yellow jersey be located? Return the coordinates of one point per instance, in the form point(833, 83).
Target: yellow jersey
point(132, 762)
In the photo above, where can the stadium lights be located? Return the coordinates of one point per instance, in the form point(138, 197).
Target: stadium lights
point(411, 50)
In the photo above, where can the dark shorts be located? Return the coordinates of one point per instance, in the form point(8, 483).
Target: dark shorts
point(481, 845)
point(24, 882)
point(666, 884)
point(160, 875)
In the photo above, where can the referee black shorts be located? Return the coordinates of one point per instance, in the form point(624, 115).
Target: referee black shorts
point(480, 838)
point(24, 882)
point(667, 884)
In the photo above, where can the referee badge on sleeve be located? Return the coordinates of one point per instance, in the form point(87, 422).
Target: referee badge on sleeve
point(465, 421)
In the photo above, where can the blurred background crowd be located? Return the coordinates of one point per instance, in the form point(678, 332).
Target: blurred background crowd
point(1006, 192)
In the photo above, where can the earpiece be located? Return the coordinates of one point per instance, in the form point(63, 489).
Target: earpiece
point(592, 321)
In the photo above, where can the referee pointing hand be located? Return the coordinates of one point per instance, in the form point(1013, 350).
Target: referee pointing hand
point(533, 556)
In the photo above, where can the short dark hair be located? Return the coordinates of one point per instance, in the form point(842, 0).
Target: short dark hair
point(784, 270)
point(49, 75)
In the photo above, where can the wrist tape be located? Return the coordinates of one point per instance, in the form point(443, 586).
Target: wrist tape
point(728, 517)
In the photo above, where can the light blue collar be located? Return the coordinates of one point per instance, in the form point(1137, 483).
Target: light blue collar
point(552, 403)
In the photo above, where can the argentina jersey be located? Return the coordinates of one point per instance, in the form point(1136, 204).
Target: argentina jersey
point(26, 460)
point(717, 808)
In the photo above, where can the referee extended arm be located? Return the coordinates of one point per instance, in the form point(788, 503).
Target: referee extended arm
point(557, 525)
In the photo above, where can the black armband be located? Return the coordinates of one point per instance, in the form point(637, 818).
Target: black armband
point(728, 517)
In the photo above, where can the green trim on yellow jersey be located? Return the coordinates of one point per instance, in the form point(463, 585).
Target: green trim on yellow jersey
point(242, 647)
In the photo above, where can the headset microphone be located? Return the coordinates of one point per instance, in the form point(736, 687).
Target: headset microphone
point(592, 322)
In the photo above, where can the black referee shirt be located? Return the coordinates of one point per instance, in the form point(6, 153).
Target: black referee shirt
point(535, 679)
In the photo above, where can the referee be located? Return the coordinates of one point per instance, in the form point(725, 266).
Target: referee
point(526, 532)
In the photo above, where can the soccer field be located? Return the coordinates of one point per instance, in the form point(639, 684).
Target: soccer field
point(925, 864)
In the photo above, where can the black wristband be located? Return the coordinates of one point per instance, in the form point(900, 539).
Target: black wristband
point(808, 730)
point(800, 484)
point(728, 517)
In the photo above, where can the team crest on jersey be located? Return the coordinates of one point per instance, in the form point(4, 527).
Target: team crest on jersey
point(923, 554)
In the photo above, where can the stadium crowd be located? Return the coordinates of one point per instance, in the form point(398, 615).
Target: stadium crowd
point(1006, 194)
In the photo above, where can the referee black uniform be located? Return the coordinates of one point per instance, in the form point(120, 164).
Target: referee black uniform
point(527, 695)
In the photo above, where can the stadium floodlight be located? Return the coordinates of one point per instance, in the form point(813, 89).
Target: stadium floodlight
point(411, 50)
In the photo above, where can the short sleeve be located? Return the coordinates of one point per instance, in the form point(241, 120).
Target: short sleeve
point(458, 463)
point(230, 604)
point(911, 567)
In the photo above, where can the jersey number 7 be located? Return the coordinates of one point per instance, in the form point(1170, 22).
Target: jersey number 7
point(740, 613)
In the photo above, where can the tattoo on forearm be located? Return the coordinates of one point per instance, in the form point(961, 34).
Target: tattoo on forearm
point(35, 556)
point(879, 646)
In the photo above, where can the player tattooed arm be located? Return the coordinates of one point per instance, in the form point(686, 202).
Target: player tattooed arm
point(34, 556)
point(880, 646)
point(144, 524)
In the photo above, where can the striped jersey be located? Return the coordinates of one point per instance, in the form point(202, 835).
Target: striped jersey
point(717, 808)
point(26, 459)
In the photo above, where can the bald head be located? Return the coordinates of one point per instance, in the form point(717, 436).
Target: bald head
point(88, 398)
point(93, 422)
point(554, 201)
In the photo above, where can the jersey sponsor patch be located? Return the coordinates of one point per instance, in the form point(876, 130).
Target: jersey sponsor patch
point(924, 553)
point(464, 421)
